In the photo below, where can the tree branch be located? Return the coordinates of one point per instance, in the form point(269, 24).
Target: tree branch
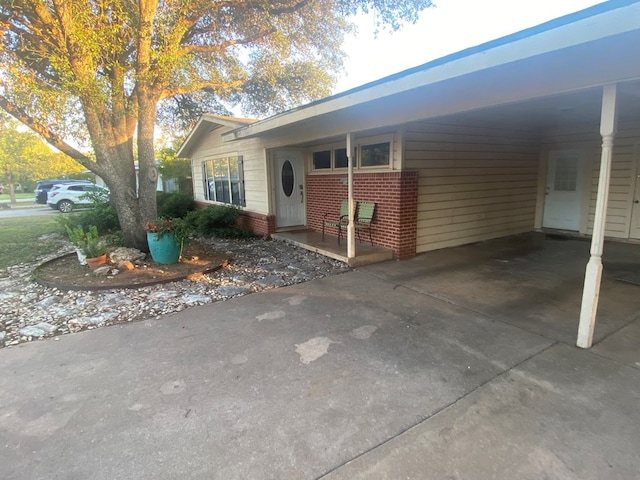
point(51, 137)
point(224, 45)
point(197, 86)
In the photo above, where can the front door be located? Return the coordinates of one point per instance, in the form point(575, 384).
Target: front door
point(635, 211)
point(563, 194)
point(289, 180)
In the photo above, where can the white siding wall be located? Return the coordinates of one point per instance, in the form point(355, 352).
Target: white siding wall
point(475, 183)
point(623, 170)
point(255, 184)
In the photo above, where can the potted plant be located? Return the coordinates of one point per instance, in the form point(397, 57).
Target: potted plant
point(90, 249)
point(77, 237)
point(166, 237)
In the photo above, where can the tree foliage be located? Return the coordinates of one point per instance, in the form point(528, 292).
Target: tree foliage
point(95, 71)
point(25, 158)
point(178, 169)
point(172, 166)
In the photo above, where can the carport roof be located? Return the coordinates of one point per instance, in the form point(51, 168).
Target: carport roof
point(588, 48)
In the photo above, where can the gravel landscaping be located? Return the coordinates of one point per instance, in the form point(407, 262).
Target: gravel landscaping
point(29, 311)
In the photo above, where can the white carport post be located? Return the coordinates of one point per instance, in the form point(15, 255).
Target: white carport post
point(351, 229)
point(593, 273)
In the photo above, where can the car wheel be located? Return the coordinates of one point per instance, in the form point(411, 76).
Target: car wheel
point(65, 206)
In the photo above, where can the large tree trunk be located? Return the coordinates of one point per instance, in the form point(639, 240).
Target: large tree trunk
point(119, 174)
point(148, 171)
point(132, 195)
point(127, 204)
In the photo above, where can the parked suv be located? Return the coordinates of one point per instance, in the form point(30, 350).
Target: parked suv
point(43, 187)
point(66, 196)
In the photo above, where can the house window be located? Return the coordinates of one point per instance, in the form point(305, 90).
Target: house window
point(566, 175)
point(223, 180)
point(369, 153)
point(330, 159)
point(376, 155)
point(322, 160)
point(341, 158)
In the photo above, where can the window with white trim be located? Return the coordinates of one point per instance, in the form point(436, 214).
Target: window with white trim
point(223, 180)
point(340, 158)
point(370, 153)
point(322, 160)
point(375, 155)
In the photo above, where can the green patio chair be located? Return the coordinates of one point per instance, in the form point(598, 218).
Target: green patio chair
point(364, 218)
point(341, 222)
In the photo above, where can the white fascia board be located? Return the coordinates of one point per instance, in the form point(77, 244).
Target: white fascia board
point(205, 122)
point(185, 148)
point(515, 47)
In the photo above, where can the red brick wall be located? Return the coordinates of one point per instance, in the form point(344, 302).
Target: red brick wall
point(395, 194)
point(256, 222)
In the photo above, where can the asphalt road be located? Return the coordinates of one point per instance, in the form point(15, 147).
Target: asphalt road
point(28, 210)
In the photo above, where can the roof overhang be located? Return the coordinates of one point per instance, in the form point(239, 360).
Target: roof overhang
point(206, 124)
point(589, 48)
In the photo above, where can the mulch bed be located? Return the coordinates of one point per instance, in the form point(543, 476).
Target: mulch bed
point(66, 273)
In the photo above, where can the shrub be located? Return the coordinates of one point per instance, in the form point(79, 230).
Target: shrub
point(217, 221)
point(100, 214)
point(89, 242)
point(174, 204)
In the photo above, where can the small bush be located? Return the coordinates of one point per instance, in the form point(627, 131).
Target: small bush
point(217, 221)
point(174, 204)
point(89, 242)
point(100, 214)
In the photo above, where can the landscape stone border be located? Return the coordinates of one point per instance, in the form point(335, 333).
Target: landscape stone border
point(38, 276)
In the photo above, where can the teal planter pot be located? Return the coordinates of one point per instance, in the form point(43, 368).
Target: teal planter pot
point(164, 249)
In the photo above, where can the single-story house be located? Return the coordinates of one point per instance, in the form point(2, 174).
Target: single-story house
point(536, 130)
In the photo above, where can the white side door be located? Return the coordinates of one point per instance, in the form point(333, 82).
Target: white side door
point(289, 182)
point(563, 194)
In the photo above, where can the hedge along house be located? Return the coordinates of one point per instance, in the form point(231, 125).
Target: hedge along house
point(536, 130)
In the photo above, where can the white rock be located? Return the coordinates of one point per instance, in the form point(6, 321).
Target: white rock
point(7, 296)
point(47, 327)
point(163, 295)
point(196, 299)
point(32, 332)
point(101, 271)
point(232, 290)
point(124, 254)
point(48, 301)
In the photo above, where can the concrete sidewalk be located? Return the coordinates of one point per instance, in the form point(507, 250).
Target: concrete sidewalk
point(352, 376)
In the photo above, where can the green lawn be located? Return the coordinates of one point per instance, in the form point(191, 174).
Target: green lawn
point(4, 198)
point(19, 239)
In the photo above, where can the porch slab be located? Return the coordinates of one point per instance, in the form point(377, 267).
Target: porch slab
point(366, 254)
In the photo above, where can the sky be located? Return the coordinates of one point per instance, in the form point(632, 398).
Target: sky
point(451, 26)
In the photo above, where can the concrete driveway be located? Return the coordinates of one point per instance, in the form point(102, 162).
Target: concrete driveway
point(413, 369)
